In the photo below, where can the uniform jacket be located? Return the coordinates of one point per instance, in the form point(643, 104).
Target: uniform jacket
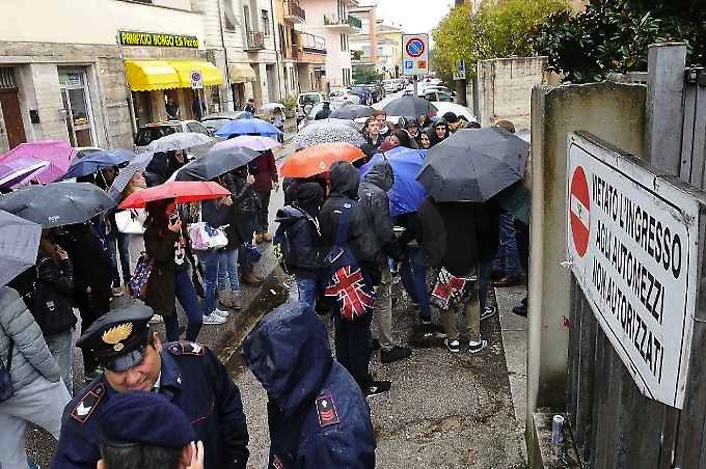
point(265, 171)
point(372, 194)
point(317, 415)
point(195, 381)
point(305, 238)
point(31, 358)
point(159, 244)
point(345, 181)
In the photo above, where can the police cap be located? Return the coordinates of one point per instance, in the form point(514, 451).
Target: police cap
point(118, 338)
point(144, 418)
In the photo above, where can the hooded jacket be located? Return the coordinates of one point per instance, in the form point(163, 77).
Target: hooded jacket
point(372, 194)
point(317, 415)
point(305, 238)
point(345, 180)
point(433, 137)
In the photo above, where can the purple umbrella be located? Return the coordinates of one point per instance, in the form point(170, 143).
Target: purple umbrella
point(56, 152)
point(253, 142)
point(15, 171)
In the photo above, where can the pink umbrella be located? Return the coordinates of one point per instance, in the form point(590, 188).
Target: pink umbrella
point(57, 152)
point(15, 171)
point(253, 142)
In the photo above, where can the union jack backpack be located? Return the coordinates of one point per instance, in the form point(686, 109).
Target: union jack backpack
point(349, 289)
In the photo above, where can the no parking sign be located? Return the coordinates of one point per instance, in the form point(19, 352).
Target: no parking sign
point(415, 54)
point(196, 80)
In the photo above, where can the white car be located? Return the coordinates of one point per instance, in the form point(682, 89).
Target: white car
point(343, 95)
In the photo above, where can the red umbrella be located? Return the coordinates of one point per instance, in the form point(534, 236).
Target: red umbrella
point(182, 191)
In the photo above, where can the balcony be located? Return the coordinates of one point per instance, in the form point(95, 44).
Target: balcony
point(293, 12)
point(309, 48)
point(255, 41)
point(349, 24)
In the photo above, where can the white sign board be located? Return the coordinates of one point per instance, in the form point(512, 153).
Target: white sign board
point(415, 54)
point(196, 80)
point(632, 244)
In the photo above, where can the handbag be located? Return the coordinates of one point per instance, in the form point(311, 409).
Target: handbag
point(348, 286)
point(140, 278)
point(129, 222)
point(203, 237)
point(6, 390)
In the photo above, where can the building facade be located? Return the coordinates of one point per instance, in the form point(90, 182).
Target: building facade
point(332, 21)
point(389, 38)
point(93, 85)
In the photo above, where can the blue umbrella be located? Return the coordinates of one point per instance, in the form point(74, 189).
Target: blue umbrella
point(248, 126)
point(406, 194)
point(97, 160)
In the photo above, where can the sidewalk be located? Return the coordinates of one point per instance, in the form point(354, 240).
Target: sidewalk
point(444, 410)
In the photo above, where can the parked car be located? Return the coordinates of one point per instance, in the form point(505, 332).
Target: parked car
point(429, 88)
point(214, 122)
point(377, 91)
point(438, 96)
point(341, 95)
point(308, 98)
point(309, 116)
point(157, 130)
point(390, 86)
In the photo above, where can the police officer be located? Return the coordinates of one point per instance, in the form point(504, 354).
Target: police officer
point(317, 414)
point(134, 359)
point(129, 438)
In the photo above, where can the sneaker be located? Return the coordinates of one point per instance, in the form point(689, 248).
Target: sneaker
point(221, 313)
point(156, 319)
point(394, 354)
point(377, 387)
point(213, 319)
point(475, 347)
point(488, 312)
point(454, 346)
point(117, 292)
point(509, 281)
point(520, 310)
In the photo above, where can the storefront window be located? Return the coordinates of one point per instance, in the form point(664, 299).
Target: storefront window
point(77, 105)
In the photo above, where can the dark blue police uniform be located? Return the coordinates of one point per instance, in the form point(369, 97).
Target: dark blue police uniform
point(317, 414)
point(191, 377)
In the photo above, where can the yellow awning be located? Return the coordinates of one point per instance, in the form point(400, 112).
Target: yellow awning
point(149, 75)
point(210, 73)
point(240, 73)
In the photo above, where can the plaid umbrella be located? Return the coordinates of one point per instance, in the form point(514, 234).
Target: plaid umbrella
point(19, 243)
point(328, 131)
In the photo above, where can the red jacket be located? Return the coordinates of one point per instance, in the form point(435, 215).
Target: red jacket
point(265, 171)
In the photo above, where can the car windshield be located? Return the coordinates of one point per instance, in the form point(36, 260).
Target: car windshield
point(146, 135)
point(215, 123)
point(307, 99)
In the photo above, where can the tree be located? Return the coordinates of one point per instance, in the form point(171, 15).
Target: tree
point(498, 29)
point(612, 36)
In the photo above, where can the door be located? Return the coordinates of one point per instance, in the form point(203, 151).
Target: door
point(12, 115)
point(77, 104)
point(271, 83)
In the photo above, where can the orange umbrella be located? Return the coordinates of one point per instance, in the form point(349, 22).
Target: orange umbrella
point(318, 159)
point(181, 191)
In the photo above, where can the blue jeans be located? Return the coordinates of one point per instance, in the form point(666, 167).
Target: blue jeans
point(307, 291)
point(61, 347)
point(124, 251)
point(414, 279)
point(507, 260)
point(209, 263)
point(186, 295)
point(228, 269)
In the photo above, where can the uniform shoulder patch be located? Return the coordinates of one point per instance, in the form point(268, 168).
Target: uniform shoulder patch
point(185, 347)
point(326, 410)
point(88, 404)
point(276, 463)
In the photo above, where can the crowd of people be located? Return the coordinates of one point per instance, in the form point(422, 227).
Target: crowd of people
point(343, 248)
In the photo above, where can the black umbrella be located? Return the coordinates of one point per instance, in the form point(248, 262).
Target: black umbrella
point(57, 204)
point(216, 162)
point(353, 111)
point(409, 106)
point(473, 165)
point(19, 242)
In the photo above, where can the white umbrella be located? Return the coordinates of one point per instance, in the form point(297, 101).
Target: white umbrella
point(328, 131)
point(179, 141)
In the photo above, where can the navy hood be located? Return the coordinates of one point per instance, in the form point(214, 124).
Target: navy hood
point(288, 352)
point(345, 179)
point(288, 215)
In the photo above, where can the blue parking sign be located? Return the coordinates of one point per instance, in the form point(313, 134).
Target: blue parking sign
point(408, 64)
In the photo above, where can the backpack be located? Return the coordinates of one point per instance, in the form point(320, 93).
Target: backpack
point(347, 285)
point(282, 244)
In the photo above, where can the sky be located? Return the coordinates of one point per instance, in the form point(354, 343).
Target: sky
point(415, 16)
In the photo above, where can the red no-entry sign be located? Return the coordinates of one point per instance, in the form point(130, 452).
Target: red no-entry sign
point(580, 211)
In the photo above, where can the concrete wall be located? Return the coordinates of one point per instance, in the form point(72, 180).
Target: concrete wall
point(616, 114)
point(92, 21)
point(505, 89)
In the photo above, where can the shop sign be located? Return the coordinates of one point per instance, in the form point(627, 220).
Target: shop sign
point(136, 38)
point(633, 249)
